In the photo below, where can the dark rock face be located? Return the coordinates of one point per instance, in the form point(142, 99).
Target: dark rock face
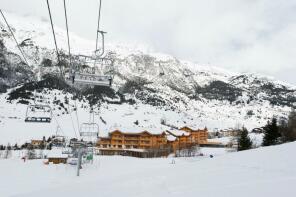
point(276, 94)
point(180, 87)
point(13, 71)
point(218, 90)
point(49, 81)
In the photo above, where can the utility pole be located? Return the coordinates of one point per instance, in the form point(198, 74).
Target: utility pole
point(79, 161)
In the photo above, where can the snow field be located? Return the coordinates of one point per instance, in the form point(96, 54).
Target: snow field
point(259, 172)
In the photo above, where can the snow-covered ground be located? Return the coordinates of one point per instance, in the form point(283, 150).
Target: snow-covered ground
point(259, 172)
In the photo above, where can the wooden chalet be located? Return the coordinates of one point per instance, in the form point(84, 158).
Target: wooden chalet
point(143, 140)
point(57, 157)
point(146, 144)
point(37, 143)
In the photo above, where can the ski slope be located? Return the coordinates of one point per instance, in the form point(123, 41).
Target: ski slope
point(259, 172)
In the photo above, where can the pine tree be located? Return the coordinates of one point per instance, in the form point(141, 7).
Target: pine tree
point(244, 141)
point(288, 128)
point(271, 133)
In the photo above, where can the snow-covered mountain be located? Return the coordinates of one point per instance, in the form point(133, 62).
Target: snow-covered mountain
point(146, 94)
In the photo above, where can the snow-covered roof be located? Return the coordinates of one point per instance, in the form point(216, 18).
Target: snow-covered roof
point(56, 153)
point(178, 133)
point(124, 149)
point(171, 138)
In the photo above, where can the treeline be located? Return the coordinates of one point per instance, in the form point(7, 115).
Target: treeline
point(275, 132)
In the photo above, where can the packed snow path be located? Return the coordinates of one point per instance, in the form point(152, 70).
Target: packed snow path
point(260, 172)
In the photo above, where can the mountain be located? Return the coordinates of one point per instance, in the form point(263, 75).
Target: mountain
point(146, 94)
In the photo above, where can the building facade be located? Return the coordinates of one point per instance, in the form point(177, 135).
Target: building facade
point(143, 140)
point(199, 136)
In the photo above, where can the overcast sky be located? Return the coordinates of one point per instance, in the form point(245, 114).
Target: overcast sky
point(257, 36)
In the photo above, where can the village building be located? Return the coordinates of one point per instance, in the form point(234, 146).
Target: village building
point(56, 156)
point(182, 139)
point(230, 132)
point(37, 143)
point(58, 141)
point(186, 137)
point(146, 143)
point(198, 136)
point(143, 140)
point(142, 144)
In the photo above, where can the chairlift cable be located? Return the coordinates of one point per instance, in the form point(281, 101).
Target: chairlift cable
point(58, 123)
point(57, 52)
point(72, 120)
point(23, 54)
point(76, 112)
point(21, 50)
point(68, 37)
point(54, 37)
point(98, 29)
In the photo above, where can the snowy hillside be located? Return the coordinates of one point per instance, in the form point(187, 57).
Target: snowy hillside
point(259, 172)
point(144, 95)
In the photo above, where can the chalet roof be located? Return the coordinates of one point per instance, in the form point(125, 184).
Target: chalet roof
point(104, 138)
point(56, 153)
point(36, 140)
point(171, 138)
point(186, 127)
point(178, 133)
point(192, 130)
point(137, 133)
point(124, 149)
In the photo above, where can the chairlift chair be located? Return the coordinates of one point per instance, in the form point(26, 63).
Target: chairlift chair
point(59, 141)
point(87, 78)
point(89, 130)
point(161, 72)
point(92, 79)
point(38, 114)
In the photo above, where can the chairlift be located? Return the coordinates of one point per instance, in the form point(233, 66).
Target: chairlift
point(38, 114)
point(78, 77)
point(101, 52)
point(92, 79)
point(58, 141)
point(161, 73)
point(89, 77)
point(89, 130)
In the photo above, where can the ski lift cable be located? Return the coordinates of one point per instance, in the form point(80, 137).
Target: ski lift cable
point(68, 37)
point(23, 54)
point(72, 120)
point(69, 48)
point(98, 29)
point(76, 112)
point(99, 32)
point(21, 50)
point(55, 118)
point(54, 35)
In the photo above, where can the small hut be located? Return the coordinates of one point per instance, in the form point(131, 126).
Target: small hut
point(57, 157)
